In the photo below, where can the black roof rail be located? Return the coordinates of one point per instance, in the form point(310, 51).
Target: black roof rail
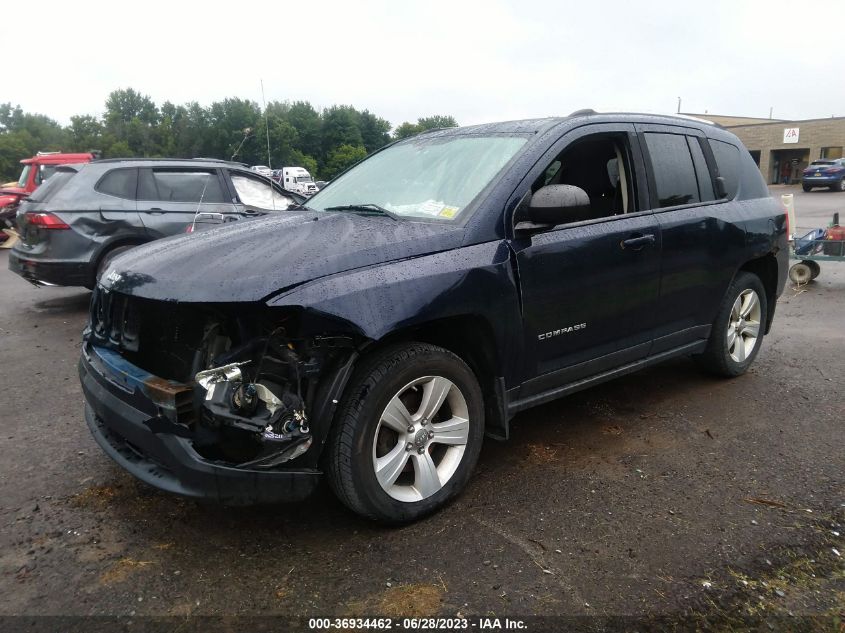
point(165, 159)
point(583, 112)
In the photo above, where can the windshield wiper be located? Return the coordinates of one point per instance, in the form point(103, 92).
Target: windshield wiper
point(364, 206)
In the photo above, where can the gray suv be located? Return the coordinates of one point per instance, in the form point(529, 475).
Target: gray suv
point(78, 221)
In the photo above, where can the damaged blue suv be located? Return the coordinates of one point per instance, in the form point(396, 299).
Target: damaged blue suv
point(433, 291)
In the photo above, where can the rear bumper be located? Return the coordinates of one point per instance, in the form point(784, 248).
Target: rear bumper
point(53, 272)
point(119, 415)
point(820, 181)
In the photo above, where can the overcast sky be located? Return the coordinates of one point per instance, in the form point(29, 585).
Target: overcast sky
point(479, 61)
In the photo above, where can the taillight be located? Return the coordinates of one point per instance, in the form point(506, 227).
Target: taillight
point(45, 220)
point(189, 228)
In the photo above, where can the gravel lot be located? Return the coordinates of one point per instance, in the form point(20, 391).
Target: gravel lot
point(665, 493)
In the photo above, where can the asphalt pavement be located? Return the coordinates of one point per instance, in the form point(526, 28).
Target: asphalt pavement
point(666, 493)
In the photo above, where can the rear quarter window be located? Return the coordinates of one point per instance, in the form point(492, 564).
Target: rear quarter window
point(53, 185)
point(727, 164)
point(121, 183)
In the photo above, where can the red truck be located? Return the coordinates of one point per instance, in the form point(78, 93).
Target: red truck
point(35, 171)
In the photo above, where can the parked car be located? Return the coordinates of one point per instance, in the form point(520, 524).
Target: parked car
point(85, 215)
point(35, 171)
point(263, 170)
point(825, 172)
point(433, 291)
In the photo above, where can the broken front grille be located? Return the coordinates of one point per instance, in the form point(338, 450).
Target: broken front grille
point(160, 337)
point(115, 321)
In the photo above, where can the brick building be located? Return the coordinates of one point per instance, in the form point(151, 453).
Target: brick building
point(783, 148)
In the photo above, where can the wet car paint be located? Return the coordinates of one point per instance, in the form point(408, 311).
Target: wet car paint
point(372, 277)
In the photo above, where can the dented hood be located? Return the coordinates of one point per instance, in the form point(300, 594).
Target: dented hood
point(254, 259)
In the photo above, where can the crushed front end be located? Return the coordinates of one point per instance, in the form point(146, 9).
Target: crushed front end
point(209, 400)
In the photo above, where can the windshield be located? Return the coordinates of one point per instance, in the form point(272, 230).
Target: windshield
point(823, 162)
point(44, 172)
point(24, 175)
point(423, 178)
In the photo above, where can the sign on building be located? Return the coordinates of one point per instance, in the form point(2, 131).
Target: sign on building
point(790, 135)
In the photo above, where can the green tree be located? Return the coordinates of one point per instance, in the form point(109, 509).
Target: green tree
point(340, 127)
point(308, 123)
point(342, 157)
point(227, 121)
point(436, 121)
point(131, 118)
point(407, 129)
point(375, 132)
point(86, 133)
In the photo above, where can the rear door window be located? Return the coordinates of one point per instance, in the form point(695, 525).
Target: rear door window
point(181, 185)
point(121, 183)
point(674, 174)
point(727, 164)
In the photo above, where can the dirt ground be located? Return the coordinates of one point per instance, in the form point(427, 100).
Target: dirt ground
point(665, 494)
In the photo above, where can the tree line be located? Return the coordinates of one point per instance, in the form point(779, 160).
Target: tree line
point(325, 142)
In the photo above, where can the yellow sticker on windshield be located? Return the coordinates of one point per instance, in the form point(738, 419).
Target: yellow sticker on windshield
point(448, 212)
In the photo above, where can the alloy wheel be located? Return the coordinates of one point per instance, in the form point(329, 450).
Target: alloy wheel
point(421, 438)
point(744, 325)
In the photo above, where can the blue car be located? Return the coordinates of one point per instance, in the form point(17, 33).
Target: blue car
point(825, 172)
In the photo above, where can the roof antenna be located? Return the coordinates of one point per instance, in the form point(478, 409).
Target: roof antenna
point(679, 105)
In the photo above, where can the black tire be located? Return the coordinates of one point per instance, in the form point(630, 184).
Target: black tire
point(840, 186)
point(717, 358)
point(806, 188)
point(351, 451)
point(815, 269)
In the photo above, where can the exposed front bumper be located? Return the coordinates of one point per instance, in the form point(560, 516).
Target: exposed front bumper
point(55, 273)
point(120, 415)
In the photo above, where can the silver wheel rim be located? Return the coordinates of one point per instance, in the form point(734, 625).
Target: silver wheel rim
point(416, 454)
point(744, 325)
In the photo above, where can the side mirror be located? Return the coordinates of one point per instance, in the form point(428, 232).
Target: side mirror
point(555, 204)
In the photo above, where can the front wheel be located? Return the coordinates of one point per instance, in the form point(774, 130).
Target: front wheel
point(737, 332)
point(806, 188)
point(408, 433)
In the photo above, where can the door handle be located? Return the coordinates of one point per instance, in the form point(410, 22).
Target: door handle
point(637, 242)
point(154, 211)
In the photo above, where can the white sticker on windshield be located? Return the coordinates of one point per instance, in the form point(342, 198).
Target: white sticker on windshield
point(430, 207)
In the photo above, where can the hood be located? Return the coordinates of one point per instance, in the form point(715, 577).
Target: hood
point(13, 191)
point(249, 261)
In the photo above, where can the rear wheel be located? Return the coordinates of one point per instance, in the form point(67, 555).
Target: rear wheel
point(408, 434)
point(806, 187)
point(737, 332)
